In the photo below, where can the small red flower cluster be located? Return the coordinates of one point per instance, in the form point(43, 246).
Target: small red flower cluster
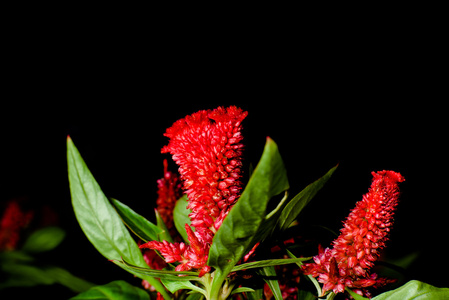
point(206, 146)
point(364, 233)
point(169, 191)
point(12, 222)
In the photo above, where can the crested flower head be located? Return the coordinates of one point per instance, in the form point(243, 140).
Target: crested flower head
point(364, 234)
point(206, 146)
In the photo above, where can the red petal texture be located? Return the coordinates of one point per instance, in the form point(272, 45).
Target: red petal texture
point(169, 191)
point(206, 146)
point(363, 235)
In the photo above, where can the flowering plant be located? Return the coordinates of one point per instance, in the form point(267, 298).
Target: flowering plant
point(224, 239)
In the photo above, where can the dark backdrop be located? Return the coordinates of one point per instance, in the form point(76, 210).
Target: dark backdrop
point(366, 110)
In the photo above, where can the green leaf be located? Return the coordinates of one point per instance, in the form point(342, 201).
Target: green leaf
point(140, 226)
point(181, 217)
point(165, 233)
point(296, 205)
point(174, 286)
point(98, 218)
point(15, 256)
point(163, 274)
point(44, 239)
point(355, 295)
point(269, 276)
point(115, 290)
point(256, 295)
point(268, 263)
point(28, 275)
point(235, 234)
point(415, 290)
point(306, 295)
point(65, 278)
point(242, 290)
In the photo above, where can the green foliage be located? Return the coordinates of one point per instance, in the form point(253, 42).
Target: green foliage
point(140, 226)
point(181, 217)
point(246, 224)
point(235, 234)
point(268, 263)
point(163, 274)
point(115, 290)
point(44, 239)
point(165, 233)
point(23, 271)
point(96, 216)
point(415, 290)
point(297, 204)
point(269, 276)
point(99, 220)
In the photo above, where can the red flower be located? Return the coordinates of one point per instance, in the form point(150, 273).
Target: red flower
point(169, 191)
point(12, 222)
point(364, 234)
point(193, 256)
point(206, 146)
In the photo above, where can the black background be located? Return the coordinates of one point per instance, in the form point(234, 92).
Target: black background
point(366, 104)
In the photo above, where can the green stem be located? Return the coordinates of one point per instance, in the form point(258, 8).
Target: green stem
point(331, 296)
point(216, 287)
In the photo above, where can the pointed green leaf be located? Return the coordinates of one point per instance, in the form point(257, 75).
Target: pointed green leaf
point(177, 285)
point(235, 234)
point(164, 235)
point(140, 226)
point(268, 263)
point(98, 218)
point(163, 274)
point(415, 290)
point(296, 205)
point(181, 217)
point(115, 290)
point(256, 295)
point(44, 239)
point(28, 275)
point(354, 295)
point(242, 290)
point(269, 276)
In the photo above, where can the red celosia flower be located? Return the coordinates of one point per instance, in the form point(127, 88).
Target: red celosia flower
point(13, 220)
point(206, 146)
point(364, 233)
point(169, 191)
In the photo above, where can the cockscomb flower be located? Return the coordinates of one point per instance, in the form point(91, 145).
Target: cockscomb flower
point(206, 146)
point(169, 191)
point(14, 219)
point(364, 234)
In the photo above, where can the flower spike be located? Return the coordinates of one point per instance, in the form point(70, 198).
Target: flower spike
point(206, 146)
point(364, 233)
